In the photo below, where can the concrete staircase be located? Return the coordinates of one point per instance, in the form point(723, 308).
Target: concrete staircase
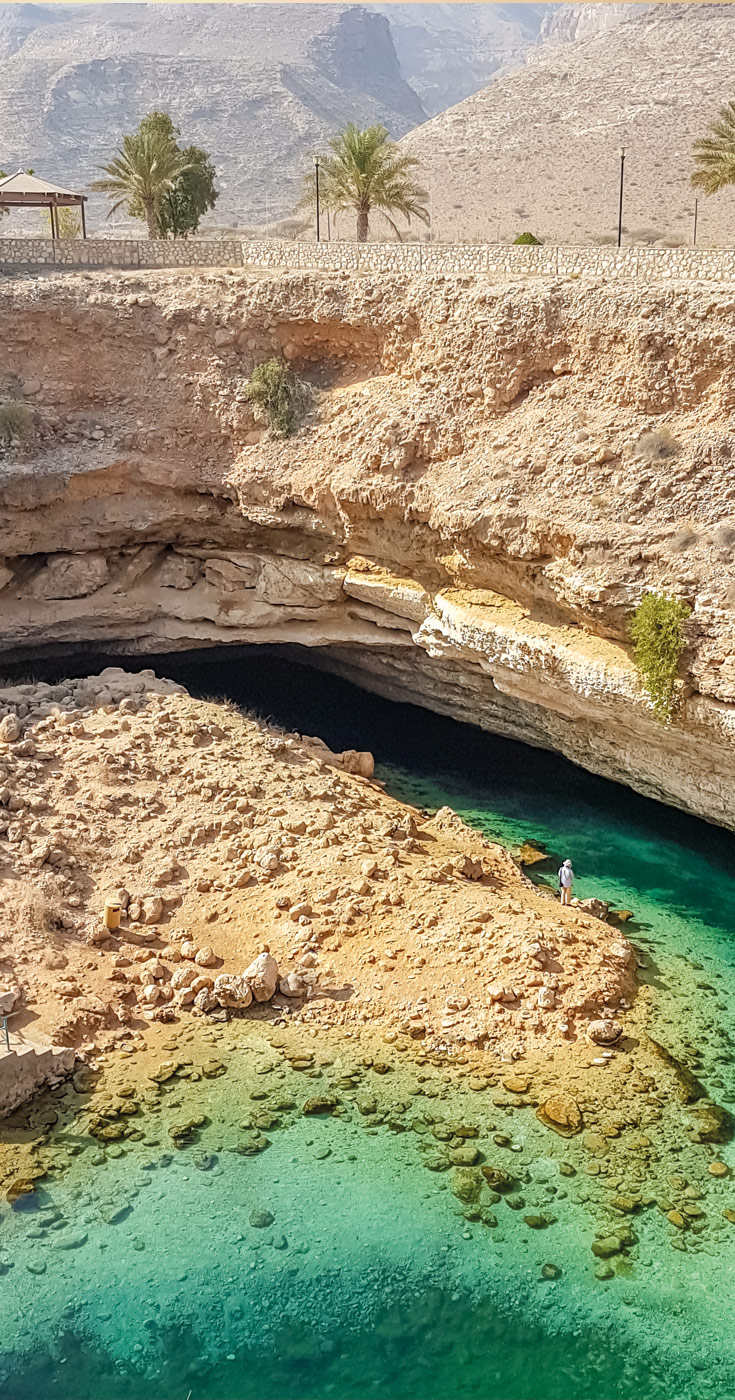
point(27, 1067)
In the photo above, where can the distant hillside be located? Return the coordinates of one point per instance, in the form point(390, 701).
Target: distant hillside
point(447, 52)
point(258, 85)
point(539, 148)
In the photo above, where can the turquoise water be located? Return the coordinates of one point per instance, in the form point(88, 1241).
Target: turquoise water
point(370, 1280)
point(676, 874)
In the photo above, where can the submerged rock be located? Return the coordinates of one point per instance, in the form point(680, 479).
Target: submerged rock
point(464, 1156)
point(466, 1185)
point(324, 1104)
point(22, 1186)
point(606, 1247)
point(497, 1179)
point(550, 1271)
point(261, 1219)
point(711, 1122)
point(562, 1114)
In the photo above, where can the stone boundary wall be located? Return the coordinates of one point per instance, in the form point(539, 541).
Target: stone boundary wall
point(494, 260)
point(119, 252)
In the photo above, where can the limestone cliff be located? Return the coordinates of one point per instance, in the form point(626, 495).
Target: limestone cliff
point(489, 478)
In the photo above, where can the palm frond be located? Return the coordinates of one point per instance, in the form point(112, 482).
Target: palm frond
point(143, 170)
point(714, 154)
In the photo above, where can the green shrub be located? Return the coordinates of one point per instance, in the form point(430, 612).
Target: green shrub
point(16, 421)
point(658, 642)
point(528, 239)
point(282, 397)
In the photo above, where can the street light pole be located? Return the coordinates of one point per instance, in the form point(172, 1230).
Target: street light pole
point(696, 221)
point(622, 187)
point(318, 229)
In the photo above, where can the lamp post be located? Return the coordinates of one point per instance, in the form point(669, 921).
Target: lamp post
point(622, 187)
point(696, 221)
point(318, 229)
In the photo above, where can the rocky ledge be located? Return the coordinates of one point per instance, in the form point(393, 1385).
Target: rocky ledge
point(488, 480)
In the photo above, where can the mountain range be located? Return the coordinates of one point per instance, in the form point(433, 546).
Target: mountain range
point(516, 112)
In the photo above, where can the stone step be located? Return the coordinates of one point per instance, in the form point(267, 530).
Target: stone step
point(28, 1067)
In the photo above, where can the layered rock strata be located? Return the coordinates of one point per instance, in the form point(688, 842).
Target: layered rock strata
point(488, 480)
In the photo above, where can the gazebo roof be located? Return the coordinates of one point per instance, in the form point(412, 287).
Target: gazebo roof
point(27, 190)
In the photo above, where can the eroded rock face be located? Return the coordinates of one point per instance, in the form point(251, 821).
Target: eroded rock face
point(70, 576)
point(441, 530)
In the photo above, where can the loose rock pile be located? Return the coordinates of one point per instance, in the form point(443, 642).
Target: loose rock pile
point(258, 872)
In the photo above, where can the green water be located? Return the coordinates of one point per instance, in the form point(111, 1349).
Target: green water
point(369, 1281)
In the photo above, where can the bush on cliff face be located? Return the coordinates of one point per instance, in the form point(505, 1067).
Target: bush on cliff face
point(279, 394)
point(658, 642)
point(16, 422)
point(528, 240)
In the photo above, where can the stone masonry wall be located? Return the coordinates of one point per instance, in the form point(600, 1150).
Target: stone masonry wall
point(657, 264)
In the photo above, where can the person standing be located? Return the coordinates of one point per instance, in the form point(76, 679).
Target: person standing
point(566, 877)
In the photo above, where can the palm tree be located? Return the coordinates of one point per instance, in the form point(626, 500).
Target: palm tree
point(715, 153)
point(145, 168)
point(367, 171)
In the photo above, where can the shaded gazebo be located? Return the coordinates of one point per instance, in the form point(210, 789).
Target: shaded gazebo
point(22, 191)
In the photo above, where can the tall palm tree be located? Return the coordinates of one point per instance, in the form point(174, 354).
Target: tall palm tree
point(366, 171)
point(715, 154)
point(144, 170)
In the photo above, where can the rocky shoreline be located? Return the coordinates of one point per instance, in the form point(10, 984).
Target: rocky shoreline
point(360, 942)
point(249, 865)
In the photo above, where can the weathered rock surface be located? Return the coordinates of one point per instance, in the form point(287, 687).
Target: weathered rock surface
point(262, 976)
point(123, 784)
point(473, 507)
point(604, 1032)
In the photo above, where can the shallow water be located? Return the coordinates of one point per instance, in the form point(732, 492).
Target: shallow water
point(370, 1281)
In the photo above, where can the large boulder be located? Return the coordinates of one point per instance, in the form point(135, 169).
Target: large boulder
point(8, 998)
point(183, 977)
point(10, 729)
point(262, 975)
point(359, 762)
point(596, 907)
point(205, 1000)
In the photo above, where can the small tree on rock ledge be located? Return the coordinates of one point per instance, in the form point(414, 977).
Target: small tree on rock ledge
point(658, 642)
